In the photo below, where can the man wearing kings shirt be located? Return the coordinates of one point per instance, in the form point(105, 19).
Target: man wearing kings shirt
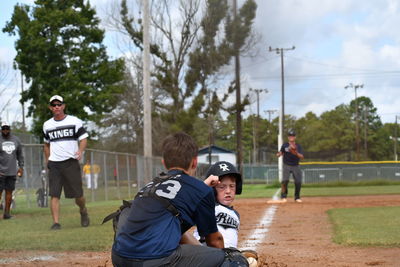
point(64, 144)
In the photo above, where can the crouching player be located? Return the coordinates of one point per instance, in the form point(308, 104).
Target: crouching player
point(227, 182)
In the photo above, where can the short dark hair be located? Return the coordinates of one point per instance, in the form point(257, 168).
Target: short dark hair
point(178, 150)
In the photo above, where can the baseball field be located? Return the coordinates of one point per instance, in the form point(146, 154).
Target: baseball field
point(334, 226)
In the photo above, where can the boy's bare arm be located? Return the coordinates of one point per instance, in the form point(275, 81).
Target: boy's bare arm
point(212, 180)
point(188, 238)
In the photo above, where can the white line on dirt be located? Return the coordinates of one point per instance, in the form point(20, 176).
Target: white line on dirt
point(28, 259)
point(261, 230)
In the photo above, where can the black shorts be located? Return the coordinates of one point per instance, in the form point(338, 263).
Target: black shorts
point(65, 174)
point(7, 183)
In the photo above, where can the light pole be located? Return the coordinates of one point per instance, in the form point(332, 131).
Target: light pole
point(395, 139)
point(255, 123)
point(270, 112)
point(355, 87)
point(282, 113)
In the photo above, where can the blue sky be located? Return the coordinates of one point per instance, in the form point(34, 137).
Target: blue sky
point(337, 42)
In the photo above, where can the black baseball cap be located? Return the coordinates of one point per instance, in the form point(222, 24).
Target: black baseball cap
point(291, 133)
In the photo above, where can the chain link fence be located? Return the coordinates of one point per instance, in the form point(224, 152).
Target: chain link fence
point(119, 175)
point(326, 173)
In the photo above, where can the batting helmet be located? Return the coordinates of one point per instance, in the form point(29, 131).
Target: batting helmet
point(222, 168)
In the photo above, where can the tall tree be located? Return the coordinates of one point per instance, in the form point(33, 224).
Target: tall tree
point(60, 51)
point(188, 52)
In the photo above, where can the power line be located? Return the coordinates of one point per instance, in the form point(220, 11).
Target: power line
point(324, 76)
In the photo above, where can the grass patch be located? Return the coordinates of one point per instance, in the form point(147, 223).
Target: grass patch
point(373, 226)
point(267, 191)
point(31, 229)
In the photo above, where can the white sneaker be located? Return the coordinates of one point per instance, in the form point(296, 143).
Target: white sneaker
point(283, 200)
point(299, 200)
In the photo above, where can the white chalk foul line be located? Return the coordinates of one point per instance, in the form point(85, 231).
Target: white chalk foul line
point(261, 230)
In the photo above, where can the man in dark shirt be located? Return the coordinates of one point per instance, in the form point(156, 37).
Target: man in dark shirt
point(292, 154)
point(10, 154)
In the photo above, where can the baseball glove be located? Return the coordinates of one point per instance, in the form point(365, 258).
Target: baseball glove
point(293, 149)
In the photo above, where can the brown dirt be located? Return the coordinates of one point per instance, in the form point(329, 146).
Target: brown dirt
point(300, 235)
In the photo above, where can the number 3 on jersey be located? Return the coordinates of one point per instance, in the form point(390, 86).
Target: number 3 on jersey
point(171, 190)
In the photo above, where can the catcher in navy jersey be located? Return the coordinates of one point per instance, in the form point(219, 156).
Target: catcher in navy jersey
point(155, 232)
point(65, 140)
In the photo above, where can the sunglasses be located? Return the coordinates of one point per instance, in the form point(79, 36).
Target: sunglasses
point(56, 105)
point(5, 128)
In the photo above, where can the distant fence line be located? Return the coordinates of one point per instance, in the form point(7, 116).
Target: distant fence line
point(121, 174)
point(325, 172)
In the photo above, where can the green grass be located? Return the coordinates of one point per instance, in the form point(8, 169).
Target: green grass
point(30, 229)
point(373, 226)
point(259, 190)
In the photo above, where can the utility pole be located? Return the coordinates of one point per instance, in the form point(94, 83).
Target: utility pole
point(281, 51)
point(256, 123)
point(258, 91)
point(270, 112)
point(22, 104)
point(147, 137)
point(366, 111)
point(395, 139)
point(239, 159)
point(355, 87)
point(282, 113)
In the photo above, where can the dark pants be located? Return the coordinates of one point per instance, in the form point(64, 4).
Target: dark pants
point(297, 176)
point(65, 174)
point(184, 255)
point(7, 183)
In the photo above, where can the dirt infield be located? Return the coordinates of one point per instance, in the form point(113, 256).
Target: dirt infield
point(300, 235)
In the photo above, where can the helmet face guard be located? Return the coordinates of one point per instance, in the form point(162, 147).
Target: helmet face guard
point(222, 168)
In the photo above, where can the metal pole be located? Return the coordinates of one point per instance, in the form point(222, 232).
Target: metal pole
point(22, 104)
point(355, 87)
point(239, 159)
point(366, 110)
point(357, 130)
point(105, 176)
point(282, 111)
point(129, 176)
point(92, 176)
point(395, 139)
point(147, 145)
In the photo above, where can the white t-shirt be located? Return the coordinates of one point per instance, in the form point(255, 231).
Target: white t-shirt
point(63, 136)
point(228, 222)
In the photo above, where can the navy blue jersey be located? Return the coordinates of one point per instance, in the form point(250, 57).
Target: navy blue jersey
point(151, 231)
point(289, 158)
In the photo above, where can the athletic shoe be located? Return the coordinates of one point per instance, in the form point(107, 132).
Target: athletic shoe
point(55, 226)
point(7, 216)
point(85, 219)
point(283, 200)
point(299, 200)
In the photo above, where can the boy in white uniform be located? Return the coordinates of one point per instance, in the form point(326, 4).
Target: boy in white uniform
point(227, 182)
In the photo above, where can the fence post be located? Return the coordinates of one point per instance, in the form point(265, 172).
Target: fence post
point(118, 171)
point(129, 175)
point(105, 176)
